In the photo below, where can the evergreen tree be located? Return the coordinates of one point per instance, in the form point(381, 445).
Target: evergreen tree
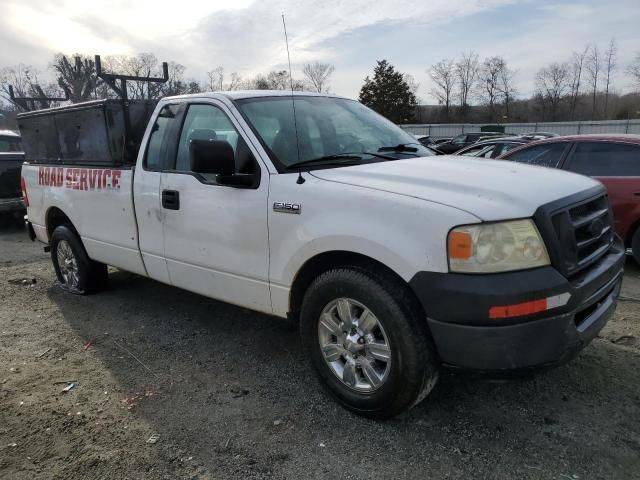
point(389, 94)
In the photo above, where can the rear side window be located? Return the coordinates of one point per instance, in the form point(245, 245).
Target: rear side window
point(156, 149)
point(547, 155)
point(480, 151)
point(10, 144)
point(504, 148)
point(601, 159)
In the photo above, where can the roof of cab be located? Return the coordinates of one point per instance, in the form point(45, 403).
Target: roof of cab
point(241, 94)
point(9, 133)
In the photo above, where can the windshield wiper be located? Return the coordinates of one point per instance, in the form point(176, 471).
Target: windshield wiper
point(402, 147)
point(337, 159)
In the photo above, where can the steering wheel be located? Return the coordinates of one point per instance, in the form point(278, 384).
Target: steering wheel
point(354, 146)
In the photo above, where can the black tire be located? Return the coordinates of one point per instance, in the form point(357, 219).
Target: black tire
point(91, 276)
point(414, 367)
point(635, 245)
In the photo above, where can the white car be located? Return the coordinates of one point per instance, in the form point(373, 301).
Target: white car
point(396, 263)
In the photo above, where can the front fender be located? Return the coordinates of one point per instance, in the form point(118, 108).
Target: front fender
point(403, 233)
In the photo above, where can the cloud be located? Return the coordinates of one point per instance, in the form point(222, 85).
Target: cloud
point(246, 35)
point(253, 37)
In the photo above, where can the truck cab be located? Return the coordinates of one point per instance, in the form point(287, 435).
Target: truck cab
point(396, 263)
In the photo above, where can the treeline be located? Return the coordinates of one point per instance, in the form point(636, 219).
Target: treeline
point(467, 89)
point(581, 87)
point(75, 76)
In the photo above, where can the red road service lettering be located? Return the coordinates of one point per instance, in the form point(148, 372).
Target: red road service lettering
point(80, 178)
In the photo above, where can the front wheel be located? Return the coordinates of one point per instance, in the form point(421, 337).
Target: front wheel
point(76, 272)
point(367, 344)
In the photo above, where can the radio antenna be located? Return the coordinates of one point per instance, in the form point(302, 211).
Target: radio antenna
point(301, 179)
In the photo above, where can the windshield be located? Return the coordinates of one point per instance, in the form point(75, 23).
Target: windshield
point(326, 127)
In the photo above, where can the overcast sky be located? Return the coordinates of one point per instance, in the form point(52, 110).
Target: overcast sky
point(246, 36)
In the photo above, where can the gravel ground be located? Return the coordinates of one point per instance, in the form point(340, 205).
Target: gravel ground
point(230, 395)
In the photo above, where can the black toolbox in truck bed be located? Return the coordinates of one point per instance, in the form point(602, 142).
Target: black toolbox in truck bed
point(89, 133)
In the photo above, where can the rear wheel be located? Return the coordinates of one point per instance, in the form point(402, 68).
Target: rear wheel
point(366, 343)
point(76, 272)
point(635, 245)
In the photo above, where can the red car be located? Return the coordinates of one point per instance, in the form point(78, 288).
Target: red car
point(613, 159)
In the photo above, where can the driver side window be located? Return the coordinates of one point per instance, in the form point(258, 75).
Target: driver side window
point(208, 122)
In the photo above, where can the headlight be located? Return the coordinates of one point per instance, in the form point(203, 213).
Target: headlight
point(496, 247)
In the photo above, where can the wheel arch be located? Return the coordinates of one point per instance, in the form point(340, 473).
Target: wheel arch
point(56, 217)
point(631, 231)
point(325, 261)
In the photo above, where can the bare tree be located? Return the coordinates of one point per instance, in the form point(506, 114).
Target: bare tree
point(22, 78)
point(76, 77)
point(318, 75)
point(25, 81)
point(193, 86)
point(175, 85)
point(141, 65)
point(633, 70)
point(278, 80)
point(260, 82)
point(235, 83)
point(610, 68)
point(593, 66)
point(577, 65)
point(506, 87)
point(215, 79)
point(489, 82)
point(552, 83)
point(467, 72)
point(443, 75)
point(275, 80)
point(412, 84)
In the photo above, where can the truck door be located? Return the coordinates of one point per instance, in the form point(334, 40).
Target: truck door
point(146, 191)
point(215, 236)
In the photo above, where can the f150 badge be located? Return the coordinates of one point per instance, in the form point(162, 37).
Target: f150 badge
point(284, 207)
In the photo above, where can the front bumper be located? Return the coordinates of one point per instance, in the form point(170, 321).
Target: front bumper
point(12, 205)
point(458, 306)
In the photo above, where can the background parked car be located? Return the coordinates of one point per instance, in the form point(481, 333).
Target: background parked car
point(612, 159)
point(425, 140)
point(464, 140)
point(538, 135)
point(493, 148)
point(11, 158)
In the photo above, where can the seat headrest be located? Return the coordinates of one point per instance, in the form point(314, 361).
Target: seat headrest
point(203, 134)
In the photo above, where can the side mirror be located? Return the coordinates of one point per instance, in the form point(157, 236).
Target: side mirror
point(212, 156)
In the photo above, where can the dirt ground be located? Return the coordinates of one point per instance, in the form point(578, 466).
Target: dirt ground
point(230, 395)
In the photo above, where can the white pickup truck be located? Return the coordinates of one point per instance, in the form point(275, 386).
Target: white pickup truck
point(395, 262)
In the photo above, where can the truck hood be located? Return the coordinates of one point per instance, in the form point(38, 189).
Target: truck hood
point(489, 189)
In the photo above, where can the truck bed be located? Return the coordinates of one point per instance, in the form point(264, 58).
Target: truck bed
point(99, 203)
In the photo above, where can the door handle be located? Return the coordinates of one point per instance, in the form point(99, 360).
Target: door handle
point(171, 199)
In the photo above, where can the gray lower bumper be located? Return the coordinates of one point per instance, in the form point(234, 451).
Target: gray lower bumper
point(11, 205)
